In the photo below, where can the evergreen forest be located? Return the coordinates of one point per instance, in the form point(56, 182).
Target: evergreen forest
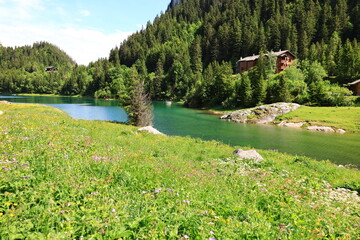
point(189, 54)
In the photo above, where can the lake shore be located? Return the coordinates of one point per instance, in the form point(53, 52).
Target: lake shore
point(98, 179)
point(332, 118)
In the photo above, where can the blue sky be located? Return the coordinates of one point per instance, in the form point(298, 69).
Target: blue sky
point(86, 30)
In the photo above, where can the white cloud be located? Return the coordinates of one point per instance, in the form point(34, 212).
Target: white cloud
point(30, 4)
point(23, 22)
point(83, 45)
point(85, 13)
point(17, 10)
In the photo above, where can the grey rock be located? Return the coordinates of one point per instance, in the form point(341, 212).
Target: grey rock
point(249, 154)
point(342, 131)
point(291, 124)
point(151, 130)
point(320, 129)
point(263, 114)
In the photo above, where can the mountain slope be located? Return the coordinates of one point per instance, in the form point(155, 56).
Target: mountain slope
point(22, 69)
point(30, 58)
point(230, 29)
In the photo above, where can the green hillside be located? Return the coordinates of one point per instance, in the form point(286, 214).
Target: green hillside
point(189, 53)
point(22, 69)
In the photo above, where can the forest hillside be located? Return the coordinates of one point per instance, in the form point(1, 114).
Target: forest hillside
point(189, 54)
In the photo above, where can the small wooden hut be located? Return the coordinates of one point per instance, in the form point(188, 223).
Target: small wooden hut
point(355, 87)
point(51, 69)
point(284, 59)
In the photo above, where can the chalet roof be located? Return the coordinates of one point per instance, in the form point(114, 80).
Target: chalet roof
point(253, 58)
point(52, 68)
point(354, 82)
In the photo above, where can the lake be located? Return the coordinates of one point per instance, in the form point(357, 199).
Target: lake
point(180, 121)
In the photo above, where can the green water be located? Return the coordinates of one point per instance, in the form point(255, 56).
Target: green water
point(176, 120)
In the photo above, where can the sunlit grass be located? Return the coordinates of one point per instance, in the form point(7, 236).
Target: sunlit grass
point(347, 118)
point(62, 178)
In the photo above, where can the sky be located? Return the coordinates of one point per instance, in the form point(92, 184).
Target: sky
point(85, 29)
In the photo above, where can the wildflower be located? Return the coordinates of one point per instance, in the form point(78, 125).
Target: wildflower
point(68, 219)
point(113, 210)
point(212, 238)
point(186, 201)
point(157, 190)
point(186, 236)
point(211, 232)
point(143, 192)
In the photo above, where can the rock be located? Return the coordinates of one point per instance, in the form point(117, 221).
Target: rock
point(249, 154)
point(5, 102)
point(291, 124)
point(342, 131)
point(151, 130)
point(320, 129)
point(263, 114)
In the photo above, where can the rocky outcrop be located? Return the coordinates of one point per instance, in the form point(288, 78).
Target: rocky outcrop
point(262, 115)
point(320, 129)
point(174, 3)
point(325, 129)
point(249, 154)
point(151, 130)
point(291, 124)
point(340, 131)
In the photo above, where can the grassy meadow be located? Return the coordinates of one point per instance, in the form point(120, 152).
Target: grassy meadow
point(62, 178)
point(347, 118)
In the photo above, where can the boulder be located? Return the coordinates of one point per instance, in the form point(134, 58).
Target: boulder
point(320, 129)
point(151, 130)
point(5, 102)
point(263, 114)
point(291, 124)
point(342, 131)
point(249, 154)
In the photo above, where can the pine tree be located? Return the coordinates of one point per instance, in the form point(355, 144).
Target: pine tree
point(196, 55)
point(139, 106)
point(246, 93)
point(284, 93)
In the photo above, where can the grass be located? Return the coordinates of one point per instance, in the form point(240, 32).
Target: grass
point(347, 118)
point(62, 178)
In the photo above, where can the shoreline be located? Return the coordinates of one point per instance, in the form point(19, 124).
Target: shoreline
point(322, 119)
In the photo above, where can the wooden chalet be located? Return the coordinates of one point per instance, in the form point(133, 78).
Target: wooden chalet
point(284, 59)
point(355, 87)
point(51, 69)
